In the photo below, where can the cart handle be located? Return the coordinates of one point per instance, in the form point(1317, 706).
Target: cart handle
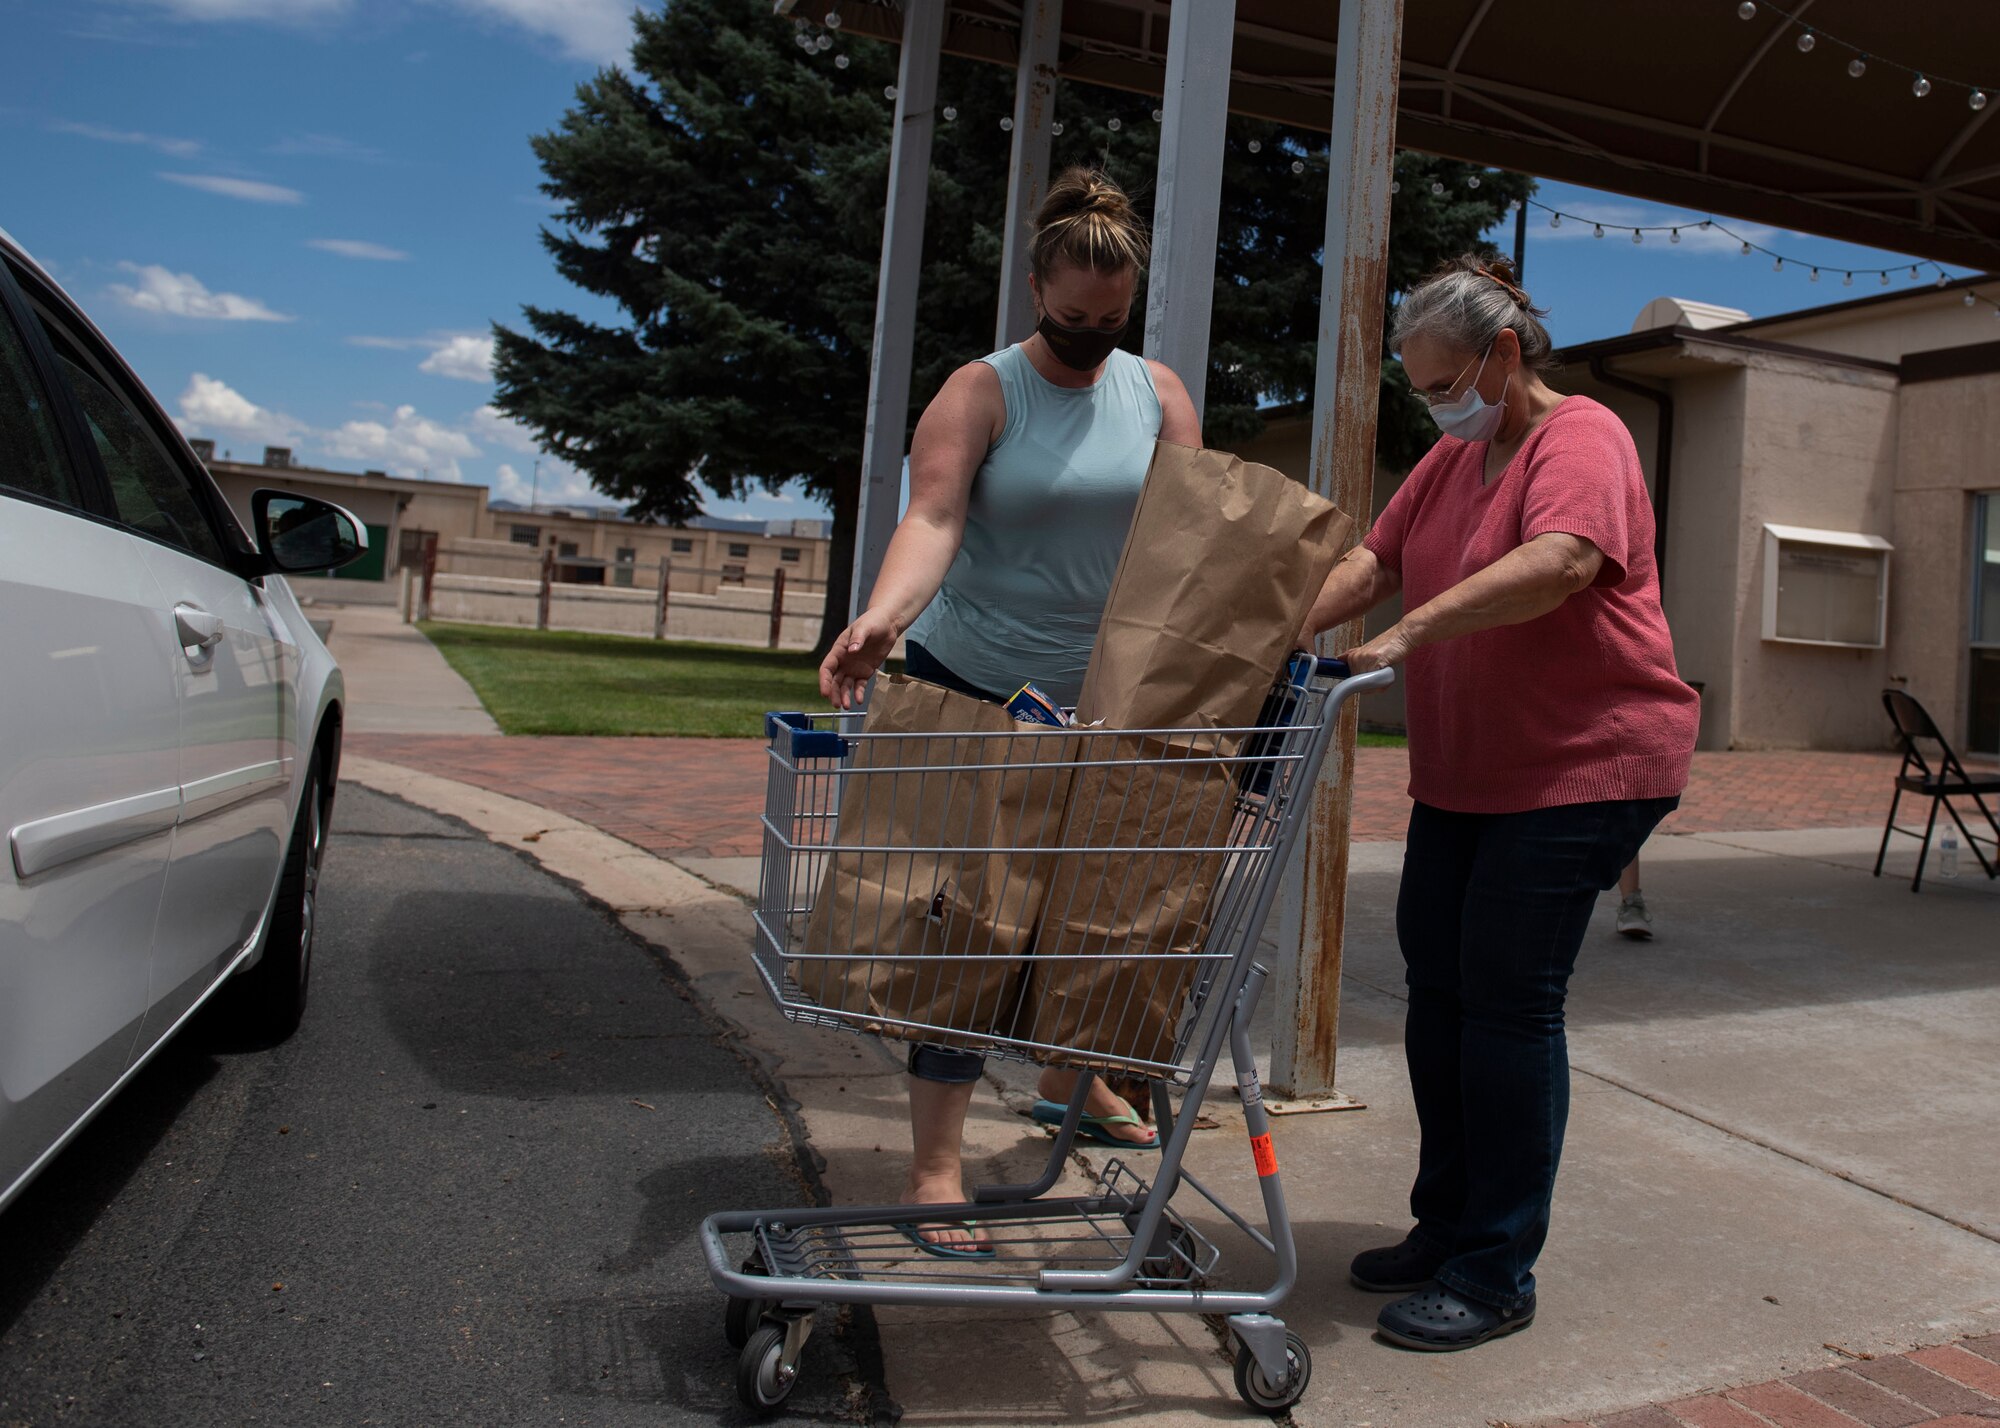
point(1330, 668)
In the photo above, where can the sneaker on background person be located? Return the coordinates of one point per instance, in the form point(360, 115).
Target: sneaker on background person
point(1633, 919)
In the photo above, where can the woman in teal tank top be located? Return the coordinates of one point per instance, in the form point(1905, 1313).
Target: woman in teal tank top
point(1024, 474)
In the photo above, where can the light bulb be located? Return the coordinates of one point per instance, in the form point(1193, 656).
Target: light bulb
point(1976, 100)
point(1436, 187)
point(1472, 181)
point(1970, 299)
point(1115, 125)
point(1943, 277)
point(825, 43)
point(1158, 115)
point(1857, 67)
point(888, 91)
point(832, 21)
point(1920, 87)
point(1708, 222)
point(803, 40)
point(1747, 10)
point(1746, 247)
point(950, 113)
point(1298, 166)
point(1597, 230)
point(1006, 123)
point(1513, 205)
point(1885, 279)
point(1806, 42)
point(1778, 266)
point(1395, 185)
point(1056, 128)
point(841, 61)
point(1815, 275)
point(800, 23)
point(1674, 236)
point(1256, 146)
point(1555, 220)
point(1637, 236)
point(1913, 272)
point(1848, 281)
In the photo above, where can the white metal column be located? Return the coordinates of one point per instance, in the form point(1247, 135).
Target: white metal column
point(1028, 178)
point(1346, 392)
point(896, 293)
point(1180, 291)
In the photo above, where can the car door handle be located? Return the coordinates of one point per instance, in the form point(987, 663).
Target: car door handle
point(198, 629)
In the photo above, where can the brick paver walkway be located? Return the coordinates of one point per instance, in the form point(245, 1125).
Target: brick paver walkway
point(1954, 1386)
point(702, 797)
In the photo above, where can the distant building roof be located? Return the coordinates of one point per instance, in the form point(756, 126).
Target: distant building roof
point(1685, 312)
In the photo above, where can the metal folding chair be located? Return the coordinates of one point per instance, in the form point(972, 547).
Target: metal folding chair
point(1947, 781)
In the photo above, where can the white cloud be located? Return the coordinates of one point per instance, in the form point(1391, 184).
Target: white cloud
point(247, 189)
point(468, 358)
point(358, 248)
point(213, 408)
point(183, 295)
point(599, 30)
point(408, 442)
point(178, 148)
point(494, 426)
point(558, 484)
point(279, 11)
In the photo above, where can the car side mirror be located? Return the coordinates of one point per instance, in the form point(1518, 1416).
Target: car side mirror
point(301, 535)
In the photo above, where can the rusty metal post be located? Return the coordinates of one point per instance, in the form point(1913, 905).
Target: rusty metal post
point(546, 595)
point(660, 605)
point(430, 575)
point(1028, 171)
point(777, 606)
point(882, 442)
point(1347, 387)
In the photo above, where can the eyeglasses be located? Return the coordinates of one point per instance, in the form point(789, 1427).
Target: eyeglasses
point(1450, 393)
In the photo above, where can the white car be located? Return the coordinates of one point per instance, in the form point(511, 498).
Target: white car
point(169, 731)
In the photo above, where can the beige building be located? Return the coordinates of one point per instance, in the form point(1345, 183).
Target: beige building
point(404, 514)
point(1830, 488)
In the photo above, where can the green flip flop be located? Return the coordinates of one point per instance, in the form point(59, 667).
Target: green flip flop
point(1095, 1128)
point(938, 1251)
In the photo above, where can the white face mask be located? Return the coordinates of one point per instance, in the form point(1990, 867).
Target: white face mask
point(1469, 418)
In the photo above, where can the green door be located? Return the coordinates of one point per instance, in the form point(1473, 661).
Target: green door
point(373, 565)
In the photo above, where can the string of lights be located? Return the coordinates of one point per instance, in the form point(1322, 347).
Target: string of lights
point(1811, 37)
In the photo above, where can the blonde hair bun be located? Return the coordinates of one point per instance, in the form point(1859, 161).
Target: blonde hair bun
point(1087, 220)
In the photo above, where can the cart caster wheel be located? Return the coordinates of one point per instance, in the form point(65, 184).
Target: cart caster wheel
point(1259, 1392)
point(742, 1316)
point(762, 1380)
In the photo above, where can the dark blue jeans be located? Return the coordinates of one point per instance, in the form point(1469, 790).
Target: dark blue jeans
point(942, 1063)
point(1491, 916)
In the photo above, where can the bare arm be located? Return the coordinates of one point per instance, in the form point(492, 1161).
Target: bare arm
point(1179, 422)
point(951, 440)
point(1524, 584)
point(1358, 583)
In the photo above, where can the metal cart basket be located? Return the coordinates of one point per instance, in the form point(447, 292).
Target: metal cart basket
point(1146, 889)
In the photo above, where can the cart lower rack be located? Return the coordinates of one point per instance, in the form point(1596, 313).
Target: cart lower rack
point(1146, 863)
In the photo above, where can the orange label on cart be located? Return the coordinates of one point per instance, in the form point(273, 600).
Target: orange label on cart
point(1267, 1158)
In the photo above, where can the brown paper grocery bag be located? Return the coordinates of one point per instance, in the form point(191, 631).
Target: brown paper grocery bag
point(934, 933)
point(1122, 930)
point(1223, 562)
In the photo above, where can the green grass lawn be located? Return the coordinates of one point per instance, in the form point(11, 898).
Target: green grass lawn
point(559, 682)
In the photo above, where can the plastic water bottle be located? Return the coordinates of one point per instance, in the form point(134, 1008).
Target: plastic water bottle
point(1948, 855)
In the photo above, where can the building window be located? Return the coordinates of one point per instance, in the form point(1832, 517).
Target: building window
point(682, 547)
point(566, 549)
point(739, 552)
point(525, 535)
point(732, 575)
point(789, 553)
point(627, 554)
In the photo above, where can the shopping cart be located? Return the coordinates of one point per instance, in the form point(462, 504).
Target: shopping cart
point(1107, 989)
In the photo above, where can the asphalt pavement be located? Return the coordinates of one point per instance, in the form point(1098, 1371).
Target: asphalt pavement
point(465, 1192)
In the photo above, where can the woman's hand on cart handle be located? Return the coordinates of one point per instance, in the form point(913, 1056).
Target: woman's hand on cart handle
point(1387, 650)
point(856, 654)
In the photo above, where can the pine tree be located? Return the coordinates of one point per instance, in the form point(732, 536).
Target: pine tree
point(724, 195)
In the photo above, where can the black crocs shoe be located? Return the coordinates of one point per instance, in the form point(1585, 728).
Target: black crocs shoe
point(1398, 1269)
point(1438, 1321)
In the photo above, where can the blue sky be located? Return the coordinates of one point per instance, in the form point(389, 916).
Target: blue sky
point(296, 218)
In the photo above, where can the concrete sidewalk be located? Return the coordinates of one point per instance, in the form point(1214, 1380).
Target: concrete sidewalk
point(397, 682)
point(1781, 1154)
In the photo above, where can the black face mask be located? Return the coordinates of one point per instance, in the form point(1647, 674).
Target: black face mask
point(1083, 348)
